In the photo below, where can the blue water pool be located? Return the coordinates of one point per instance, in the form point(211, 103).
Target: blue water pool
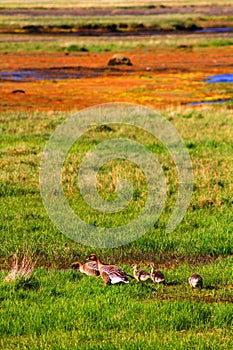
point(215, 30)
point(221, 78)
point(216, 102)
point(59, 73)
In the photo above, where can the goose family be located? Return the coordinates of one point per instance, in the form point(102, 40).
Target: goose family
point(112, 274)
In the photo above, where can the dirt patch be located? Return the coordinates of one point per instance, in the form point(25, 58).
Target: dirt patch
point(204, 10)
point(169, 260)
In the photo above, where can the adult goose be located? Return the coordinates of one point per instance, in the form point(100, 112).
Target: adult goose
point(111, 274)
point(89, 268)
point(140, 275)
point(156, 276)
point(196, 281)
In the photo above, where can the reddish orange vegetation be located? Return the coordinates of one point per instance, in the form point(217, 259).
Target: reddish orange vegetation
point(159, 78)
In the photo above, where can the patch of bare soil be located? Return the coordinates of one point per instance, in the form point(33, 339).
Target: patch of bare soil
point(217, 10)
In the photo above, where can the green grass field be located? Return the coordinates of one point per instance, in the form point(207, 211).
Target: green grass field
point(64, 310)
point(205, 230)
point(91, 44)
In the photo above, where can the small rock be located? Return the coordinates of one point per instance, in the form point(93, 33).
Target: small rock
point(184, 47)
point(117, 60)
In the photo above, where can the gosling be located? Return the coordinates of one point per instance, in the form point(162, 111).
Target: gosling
point(140, 275)
point(156, 276)
point(196, 281)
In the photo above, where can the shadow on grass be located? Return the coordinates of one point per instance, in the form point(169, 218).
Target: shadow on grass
point(211, 287)
point(30, 283)
point(172, 283)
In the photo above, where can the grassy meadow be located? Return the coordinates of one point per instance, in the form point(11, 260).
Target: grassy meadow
point(91, 44)
point(205, 230)
point(58, 308)
point(65, 310)
point(62, 309)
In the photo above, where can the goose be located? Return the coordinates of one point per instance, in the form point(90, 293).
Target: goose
point(111, 274)
point(196, 281)
point(89, 268)
point(156, 276)
point(140, 275)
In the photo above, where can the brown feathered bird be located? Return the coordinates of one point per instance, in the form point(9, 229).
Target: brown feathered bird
point(140, 275)
point(111, 274)
point(156, 276)
point(89, 268)
point(196, 281)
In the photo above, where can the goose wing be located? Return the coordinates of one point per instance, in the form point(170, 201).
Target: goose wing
point(143, 275)
point(92, 265)
point(91, 268)
point(157, 276)
point(115, 273)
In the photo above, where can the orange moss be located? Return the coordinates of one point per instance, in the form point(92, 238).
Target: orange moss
point(157, 78)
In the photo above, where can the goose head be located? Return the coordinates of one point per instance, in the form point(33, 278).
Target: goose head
point(92, 257)
point(134, 266)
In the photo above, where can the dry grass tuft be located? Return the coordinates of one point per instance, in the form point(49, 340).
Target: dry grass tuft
point(18, 270)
